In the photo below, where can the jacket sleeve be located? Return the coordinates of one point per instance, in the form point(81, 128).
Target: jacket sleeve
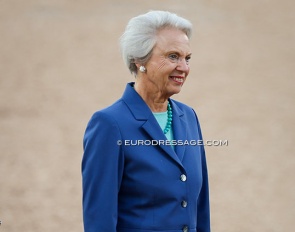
point(203, 215)
point(102, 168)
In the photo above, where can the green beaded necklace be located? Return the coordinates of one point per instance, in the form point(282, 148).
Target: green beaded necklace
point(169, 120)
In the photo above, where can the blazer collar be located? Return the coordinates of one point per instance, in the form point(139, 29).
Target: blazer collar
point(135, 103)
point(142, 112)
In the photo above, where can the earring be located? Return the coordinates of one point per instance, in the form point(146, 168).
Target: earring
point(142, 69)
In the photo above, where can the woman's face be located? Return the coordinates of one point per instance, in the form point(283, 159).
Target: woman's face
point(168, 66)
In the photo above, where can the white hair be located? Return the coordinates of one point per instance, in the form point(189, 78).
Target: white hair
point(139, 38)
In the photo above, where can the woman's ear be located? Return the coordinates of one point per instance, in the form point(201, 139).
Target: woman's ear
point(140, 67)
point(137, 65)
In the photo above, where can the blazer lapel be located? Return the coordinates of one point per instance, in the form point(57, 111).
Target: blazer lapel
point(142, 112)
point(153, 129)
point(179, 129)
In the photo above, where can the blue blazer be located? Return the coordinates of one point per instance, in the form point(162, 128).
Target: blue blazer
point(133, 181)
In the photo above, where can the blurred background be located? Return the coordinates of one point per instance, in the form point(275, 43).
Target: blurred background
point(60, 62)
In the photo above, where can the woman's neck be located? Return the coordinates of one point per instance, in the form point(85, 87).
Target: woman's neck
point(154, 99)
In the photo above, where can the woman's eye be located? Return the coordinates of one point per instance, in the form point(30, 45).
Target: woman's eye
point(173, 57)
point(187, 59)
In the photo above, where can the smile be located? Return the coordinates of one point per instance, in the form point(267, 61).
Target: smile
point(179, 80)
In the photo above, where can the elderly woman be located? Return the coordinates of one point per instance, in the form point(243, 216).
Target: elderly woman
point(142, 170)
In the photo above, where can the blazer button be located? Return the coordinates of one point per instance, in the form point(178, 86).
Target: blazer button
point(183, 177)
point(184, 204)
point(185, 229)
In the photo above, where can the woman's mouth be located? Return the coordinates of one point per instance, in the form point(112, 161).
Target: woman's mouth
point(177, 79)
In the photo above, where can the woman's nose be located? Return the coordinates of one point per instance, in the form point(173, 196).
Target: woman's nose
point(182, 65)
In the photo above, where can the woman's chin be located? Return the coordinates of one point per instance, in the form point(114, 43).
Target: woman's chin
point(175, 89)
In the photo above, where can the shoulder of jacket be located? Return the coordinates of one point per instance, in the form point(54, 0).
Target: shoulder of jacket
point(109, 113)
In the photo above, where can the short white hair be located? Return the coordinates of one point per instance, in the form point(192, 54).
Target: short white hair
point(139, 38)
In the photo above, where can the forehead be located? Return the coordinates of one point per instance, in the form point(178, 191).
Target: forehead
point(171, 39)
